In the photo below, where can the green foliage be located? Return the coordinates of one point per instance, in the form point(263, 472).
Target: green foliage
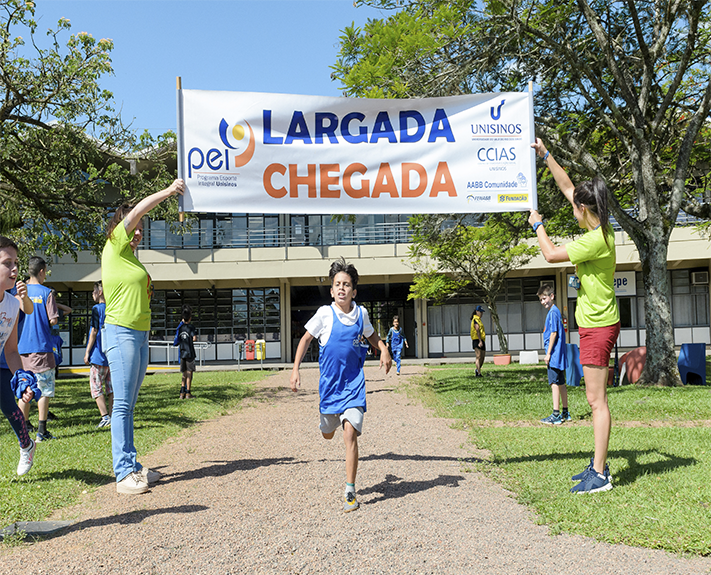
point(659, 456)
point(451, 256)
point(66, 160)
point(623, 92)
point(80, 458)
point(409, 54)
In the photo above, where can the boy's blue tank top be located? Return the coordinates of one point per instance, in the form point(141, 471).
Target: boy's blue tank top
point(396, 339)
point(342, 381)
point(98, 315)
point(36, 336)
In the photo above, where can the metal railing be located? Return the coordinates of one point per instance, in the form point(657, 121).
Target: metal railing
point(294, 235)
point(200, 347)
point(291, 236)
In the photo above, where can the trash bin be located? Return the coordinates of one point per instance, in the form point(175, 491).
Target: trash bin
point(249, 349)
point(261, 349)
point(692, 363)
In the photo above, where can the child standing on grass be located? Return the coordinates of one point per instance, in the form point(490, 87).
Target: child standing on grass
point(554, 344)
point(9, 311)
point(35, 343)
point(186, 336)
point(396, 340)
point(339, 329)
point(99, 375)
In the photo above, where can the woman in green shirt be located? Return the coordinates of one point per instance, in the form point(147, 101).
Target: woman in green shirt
point(127, 290)
point(596, 311)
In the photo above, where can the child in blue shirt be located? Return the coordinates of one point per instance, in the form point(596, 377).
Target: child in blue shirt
point(396, 340)
point(99, 374)
point(340, 329)
point(554, 344)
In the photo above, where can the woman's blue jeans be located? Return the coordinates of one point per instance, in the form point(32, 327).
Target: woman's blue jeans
point(127, 352)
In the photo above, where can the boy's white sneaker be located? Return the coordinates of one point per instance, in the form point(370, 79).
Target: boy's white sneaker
point(27, 456)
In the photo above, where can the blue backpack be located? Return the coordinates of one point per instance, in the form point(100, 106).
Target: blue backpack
point(57, 349)
point(176, 339)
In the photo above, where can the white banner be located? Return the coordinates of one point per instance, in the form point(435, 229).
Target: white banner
point(275, 153)
point(625, 285)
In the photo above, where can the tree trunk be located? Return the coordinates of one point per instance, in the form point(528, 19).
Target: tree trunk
point(503, 343)
point(661, 364)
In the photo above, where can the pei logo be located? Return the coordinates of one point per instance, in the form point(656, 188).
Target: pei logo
point(495, 115)
point(237, 132)
point(216, 159)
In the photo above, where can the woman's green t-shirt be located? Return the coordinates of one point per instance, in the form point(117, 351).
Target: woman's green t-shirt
point(127, 285)
point(595, 260)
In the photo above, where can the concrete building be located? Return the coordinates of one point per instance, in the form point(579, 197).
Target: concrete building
point(262, 276)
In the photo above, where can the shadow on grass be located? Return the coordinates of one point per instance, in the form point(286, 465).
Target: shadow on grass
point(81, 475)
point(395, 487)
point(222, 468)
point(512, 384)
point(625, 476)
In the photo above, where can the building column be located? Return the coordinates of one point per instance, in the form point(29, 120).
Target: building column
point(285, 320)
point(421, 331)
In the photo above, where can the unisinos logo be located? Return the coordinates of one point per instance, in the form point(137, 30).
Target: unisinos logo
point(497, 115)
point(236, 152)
point(497, 127)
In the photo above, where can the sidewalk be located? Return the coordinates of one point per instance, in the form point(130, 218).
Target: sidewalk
point(260, 491)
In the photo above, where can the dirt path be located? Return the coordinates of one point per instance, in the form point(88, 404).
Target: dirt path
point(260, 491)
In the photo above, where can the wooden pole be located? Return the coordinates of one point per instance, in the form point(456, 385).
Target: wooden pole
point(178, 87)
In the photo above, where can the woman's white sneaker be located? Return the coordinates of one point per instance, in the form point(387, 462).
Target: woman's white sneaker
point(132, 484)
point(150, 476)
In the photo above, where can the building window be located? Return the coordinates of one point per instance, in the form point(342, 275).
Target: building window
point(219, 315)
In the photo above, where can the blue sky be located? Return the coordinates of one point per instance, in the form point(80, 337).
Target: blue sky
point(282, 46)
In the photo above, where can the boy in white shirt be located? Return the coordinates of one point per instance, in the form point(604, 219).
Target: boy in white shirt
point(9, 311)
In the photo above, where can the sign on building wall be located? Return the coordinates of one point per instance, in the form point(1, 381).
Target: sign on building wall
point(624, 282)
point(279, 153)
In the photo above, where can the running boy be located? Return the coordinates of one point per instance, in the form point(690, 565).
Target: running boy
point(395, 340)
point(99, 374)
point(339, 329)
point(556, 360)
point(9, 310)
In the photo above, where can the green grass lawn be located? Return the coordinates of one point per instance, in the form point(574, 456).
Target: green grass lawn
point(660, 453)
point(80, 459)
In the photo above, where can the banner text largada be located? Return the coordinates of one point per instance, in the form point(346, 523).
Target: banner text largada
point(278, 153)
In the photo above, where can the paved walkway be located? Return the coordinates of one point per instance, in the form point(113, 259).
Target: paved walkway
point(259, 491)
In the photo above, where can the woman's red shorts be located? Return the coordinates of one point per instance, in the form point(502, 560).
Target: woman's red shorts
point(596, 344)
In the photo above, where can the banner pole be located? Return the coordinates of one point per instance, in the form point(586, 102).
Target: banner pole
point(179, 143)
point(533, 152)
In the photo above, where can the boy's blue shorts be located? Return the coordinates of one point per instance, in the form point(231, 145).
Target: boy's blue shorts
point(556, 376)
